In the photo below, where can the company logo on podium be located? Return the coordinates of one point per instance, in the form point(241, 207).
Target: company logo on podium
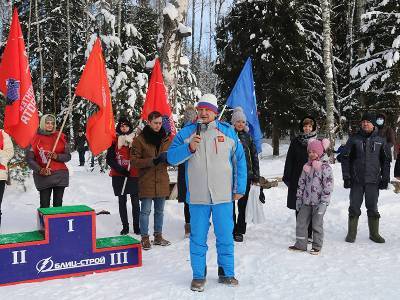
point(64, 246)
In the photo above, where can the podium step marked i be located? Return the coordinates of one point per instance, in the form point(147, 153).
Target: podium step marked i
point(64, 246)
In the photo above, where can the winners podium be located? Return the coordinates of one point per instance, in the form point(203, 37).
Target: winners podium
point(64, 246)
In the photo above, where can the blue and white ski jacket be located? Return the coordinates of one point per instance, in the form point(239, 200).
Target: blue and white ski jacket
point(217, 169)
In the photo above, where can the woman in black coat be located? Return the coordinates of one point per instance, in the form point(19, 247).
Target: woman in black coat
point(296, 157)
point(238, 121)
point(118, 158)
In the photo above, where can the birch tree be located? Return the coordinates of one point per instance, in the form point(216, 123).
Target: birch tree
point(71, 127)
point(327, 49)
point(39, 43)
point(174, 32)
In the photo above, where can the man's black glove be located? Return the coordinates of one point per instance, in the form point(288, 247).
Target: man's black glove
point(162, 158)
point(125, 173)
point(347, 183)
point(262, 196)
point(383, 185)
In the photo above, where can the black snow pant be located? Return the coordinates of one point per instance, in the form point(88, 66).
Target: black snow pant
point(357, 193)
point(240, 221)
point(81, 157)
point(58, 193)
point(135, 211)
point(2, 187)
point(186, 212)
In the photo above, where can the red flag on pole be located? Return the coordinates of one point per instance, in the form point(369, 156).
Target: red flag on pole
point(156, 97)
point(93, 85)
point(21, 118)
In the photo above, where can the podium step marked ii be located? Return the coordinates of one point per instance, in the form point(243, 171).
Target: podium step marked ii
point(64, 246)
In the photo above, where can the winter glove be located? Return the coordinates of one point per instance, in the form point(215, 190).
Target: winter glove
point(125, 173)
point(383, 185)
point(45, 172)
point(347, 183)
point(52, 155)
point(262, 196)
point(162, 158)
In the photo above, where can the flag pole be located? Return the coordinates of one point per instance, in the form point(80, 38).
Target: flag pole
point(222, 112)
point(61, 128)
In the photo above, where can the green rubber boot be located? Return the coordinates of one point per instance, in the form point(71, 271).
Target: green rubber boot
point(373, 224)
point(352, 231)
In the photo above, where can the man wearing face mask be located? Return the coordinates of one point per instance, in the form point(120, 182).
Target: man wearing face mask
point(366, 170)
point(386, 132)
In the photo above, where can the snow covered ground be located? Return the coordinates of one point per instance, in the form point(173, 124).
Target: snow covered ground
point(264, 266)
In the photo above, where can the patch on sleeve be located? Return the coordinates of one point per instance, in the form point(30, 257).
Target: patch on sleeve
point(221, 139)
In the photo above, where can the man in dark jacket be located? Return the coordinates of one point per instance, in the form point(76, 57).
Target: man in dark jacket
point(386, 132)
point(80, 146)
point(366, 170)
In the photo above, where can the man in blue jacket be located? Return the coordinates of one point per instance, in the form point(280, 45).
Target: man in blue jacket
point(216, 174)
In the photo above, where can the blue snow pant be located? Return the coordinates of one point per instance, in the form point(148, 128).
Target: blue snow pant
point(223, 227)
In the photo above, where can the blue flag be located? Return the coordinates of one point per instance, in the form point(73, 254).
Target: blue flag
point(243, 95)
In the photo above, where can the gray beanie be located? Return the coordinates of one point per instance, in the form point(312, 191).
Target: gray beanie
point(238, 115)
point(189, 115)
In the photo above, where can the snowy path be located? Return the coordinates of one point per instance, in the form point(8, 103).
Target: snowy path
point(264, 266)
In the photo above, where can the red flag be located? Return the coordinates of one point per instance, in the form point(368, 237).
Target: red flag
point(93, 85)
point(156, 97)
point(21, 118)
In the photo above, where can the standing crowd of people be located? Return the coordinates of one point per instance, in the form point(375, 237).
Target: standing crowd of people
point(217, 164)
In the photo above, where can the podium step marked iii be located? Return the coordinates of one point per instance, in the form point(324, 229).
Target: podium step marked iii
point(64, 246)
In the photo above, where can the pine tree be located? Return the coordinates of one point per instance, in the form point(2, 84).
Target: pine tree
point(376, 73)
point(275, 40)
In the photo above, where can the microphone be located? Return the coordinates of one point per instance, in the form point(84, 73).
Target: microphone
point(198, 127)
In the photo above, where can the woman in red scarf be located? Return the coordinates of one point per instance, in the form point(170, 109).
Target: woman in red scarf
point(55, 178)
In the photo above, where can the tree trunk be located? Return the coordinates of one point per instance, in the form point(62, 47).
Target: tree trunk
point(210, 32)
point(29, 28)
point(172, 49)
point(360, 10)
point(327, 48)
point(40, 55)
point(201, 27)
point(350, 32)
point(119, 30)
point(193, 31)
point(71, 124)
point(275, 137)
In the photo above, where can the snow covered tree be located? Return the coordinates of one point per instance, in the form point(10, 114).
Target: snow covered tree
point(376, 73)
point(275, 40)
point(174, 63)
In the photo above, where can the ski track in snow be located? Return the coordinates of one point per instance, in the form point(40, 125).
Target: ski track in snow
point(263, 265)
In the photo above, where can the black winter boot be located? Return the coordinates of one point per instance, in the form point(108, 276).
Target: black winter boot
point(352, 231)
point(373, 224)
point(125, 230)
point(136, 228)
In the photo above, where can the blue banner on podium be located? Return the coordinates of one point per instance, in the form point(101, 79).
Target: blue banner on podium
point(64, 246)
